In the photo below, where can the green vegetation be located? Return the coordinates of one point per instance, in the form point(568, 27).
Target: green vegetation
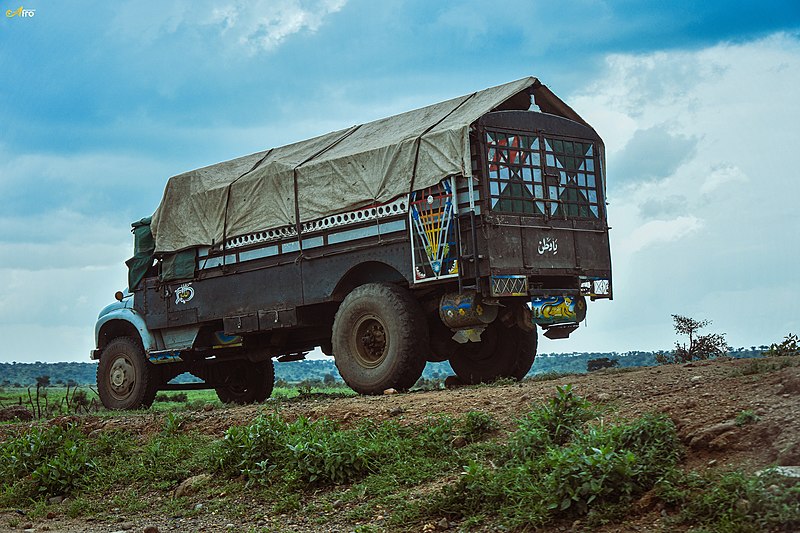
point(746, 417)
point(789, 347)
point(600, 363)
point(766, 365)
point(565, 459)
point(561, 462)
point(45, 460)
point(43, 401)
point(308, 453)
point(733, 502)
point(54, 401)
point(699, 346)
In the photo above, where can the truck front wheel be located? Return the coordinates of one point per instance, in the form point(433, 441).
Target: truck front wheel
point(125, 378)
point(379, 339)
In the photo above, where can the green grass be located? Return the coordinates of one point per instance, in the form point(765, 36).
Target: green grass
point(746, 417)
point(549, 376)
point(732, 501)
point(51, 399)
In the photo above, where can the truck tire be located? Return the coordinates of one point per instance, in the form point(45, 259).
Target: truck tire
point(380, 336)
point(246, 382)
point(504, 352)
point(526, 353)
point(125, 379)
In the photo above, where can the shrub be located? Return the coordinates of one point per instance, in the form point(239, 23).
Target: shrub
point(552, 424)
point(476, 425)
point(746, 417)
point(600, 363)
point(303, 450)
point(313, 453)
point(789, 347)
point(562, 463)
point(178, 397)
point(45, 460)
point(580, 474)
point(734, 501)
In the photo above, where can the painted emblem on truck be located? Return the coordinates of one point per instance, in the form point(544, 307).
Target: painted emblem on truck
point(548, 244)
point(558, 309)
point(431, 212)
point(184, 293)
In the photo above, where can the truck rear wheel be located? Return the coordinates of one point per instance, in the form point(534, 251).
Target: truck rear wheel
point(125, 379)
point(246, 382)
point(379, 339)
point(504, 352)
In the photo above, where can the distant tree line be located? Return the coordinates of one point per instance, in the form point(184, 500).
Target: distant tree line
point(324, 370)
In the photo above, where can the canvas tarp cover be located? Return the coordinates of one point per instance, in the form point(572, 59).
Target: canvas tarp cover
point(143, 249)
point(332, 173)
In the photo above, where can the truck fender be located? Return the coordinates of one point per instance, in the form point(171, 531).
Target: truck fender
point(122, 322)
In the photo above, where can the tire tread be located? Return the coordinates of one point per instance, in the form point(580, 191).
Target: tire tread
point(413, 335)
point(145, 394)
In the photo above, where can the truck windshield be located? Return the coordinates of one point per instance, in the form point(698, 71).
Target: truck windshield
point(544, 175)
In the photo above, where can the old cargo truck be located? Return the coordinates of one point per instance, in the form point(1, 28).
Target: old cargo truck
point(449, 232)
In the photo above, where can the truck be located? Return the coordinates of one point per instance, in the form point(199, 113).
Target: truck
point(446, 233)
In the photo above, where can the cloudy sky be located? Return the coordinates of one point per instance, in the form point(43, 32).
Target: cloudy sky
point(698, 104)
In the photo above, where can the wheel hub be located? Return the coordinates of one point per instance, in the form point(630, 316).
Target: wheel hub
point(122, 377)
point(371, 341)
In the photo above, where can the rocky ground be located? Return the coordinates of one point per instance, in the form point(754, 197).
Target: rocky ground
point(704, 400)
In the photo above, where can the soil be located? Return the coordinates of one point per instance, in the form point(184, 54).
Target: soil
point(702, 398)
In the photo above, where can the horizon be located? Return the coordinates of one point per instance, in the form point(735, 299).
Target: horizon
point(329, 358)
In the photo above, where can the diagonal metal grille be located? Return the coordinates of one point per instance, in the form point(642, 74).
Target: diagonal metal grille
point(509, 286)
point(596, 288)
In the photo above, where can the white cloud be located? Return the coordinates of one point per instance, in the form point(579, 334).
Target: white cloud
point(716, 230)
point(58, 270)
point(259, 25)
point(721, 175)
point(264, 25)
point(656, 232)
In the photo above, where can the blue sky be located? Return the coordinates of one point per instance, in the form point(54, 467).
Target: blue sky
point(100, 102)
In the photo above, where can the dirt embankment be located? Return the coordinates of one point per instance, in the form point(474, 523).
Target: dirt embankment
point(704, 400)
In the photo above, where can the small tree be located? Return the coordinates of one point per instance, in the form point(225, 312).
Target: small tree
point(42, 381)
point(789, 346)
point(699, 346)
point(80, 400)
